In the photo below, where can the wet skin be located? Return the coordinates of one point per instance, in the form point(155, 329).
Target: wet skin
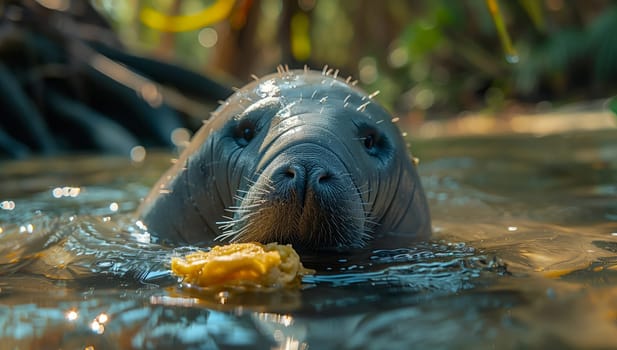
point(300, 157)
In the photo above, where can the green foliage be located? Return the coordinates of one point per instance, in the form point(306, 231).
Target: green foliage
point(449, 50)
point(560, 54)
point(603, 42)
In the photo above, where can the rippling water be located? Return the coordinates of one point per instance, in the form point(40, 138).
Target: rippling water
point(524, 256)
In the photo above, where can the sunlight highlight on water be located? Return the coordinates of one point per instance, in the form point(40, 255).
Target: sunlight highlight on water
point(66, 191)
point(7, 205)
point(524, 255)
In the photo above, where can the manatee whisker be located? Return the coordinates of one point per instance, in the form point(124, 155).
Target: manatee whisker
point(245, 206)
point(231, 183)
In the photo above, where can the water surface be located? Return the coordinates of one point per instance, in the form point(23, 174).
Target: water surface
point(524, 255)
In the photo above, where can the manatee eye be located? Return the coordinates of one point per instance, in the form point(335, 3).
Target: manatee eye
point(248, 133)
point(244, 132)
point(369, 141)
point(374, 142)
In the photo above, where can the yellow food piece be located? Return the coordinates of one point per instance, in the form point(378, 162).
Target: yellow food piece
point(270, 265)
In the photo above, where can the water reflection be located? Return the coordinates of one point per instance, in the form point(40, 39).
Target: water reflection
point(72, 315)
point(7, 205)
point(524, 256)
point(66, 191)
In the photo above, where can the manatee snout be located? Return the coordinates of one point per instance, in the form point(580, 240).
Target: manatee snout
point(305, 197)
point(296, 178)
point(299, 157)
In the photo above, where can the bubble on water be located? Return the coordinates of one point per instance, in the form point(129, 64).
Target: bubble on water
point(56, 192)
point(7, 205)
point(66, 191)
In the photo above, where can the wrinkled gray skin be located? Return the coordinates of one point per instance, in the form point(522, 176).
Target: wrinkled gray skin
point(296, 157)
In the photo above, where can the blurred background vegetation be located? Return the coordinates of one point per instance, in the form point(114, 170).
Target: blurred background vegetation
point(431, 60)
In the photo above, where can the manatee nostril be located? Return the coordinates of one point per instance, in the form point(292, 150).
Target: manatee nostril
point(293, 173)
point(301, 177)
point(323, 177)
point(290, 173)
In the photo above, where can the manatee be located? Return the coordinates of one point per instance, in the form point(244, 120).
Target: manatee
point(299, 157)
